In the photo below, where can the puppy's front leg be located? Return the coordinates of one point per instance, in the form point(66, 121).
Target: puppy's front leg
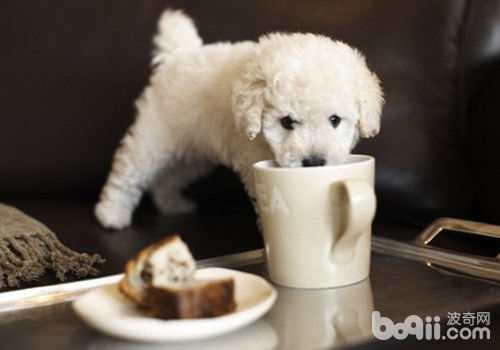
point(140, 156)
point(166, 189)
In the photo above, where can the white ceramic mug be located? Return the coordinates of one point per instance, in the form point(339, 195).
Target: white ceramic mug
point(316, 221)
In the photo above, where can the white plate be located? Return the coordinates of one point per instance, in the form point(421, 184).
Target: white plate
point(109, 311)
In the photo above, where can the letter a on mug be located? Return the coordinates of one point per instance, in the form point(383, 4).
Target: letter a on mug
point(277, 202)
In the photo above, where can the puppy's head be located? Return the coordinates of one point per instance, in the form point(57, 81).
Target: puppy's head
point(309, 96)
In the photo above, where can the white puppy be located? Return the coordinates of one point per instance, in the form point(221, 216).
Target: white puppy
point(301, 99)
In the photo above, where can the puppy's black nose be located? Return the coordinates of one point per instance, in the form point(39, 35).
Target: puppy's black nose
point(313, 161)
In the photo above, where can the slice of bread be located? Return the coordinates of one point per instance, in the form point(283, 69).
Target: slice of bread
point(161, 278)
point(166, 263)
point(197, 299)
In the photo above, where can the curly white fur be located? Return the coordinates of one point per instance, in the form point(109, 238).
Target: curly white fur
point(223, 103)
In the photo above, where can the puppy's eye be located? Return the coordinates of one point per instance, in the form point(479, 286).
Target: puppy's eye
point(287, 122)
point(335, 120)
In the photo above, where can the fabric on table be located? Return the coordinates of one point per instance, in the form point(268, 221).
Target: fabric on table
point(28, 248)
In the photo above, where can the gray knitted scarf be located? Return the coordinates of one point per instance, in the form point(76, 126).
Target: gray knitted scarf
point(28, 248)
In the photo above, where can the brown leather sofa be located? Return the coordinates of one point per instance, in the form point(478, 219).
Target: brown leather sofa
point(70, 71)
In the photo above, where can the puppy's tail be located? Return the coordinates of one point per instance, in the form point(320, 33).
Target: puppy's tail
point(175, 30)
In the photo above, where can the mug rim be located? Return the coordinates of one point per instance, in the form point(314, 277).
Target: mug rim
point(352, 160)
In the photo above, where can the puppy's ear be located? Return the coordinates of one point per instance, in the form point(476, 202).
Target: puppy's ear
point(248, 99)
point(370, 102)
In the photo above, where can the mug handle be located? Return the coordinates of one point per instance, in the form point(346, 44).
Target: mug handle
point(360, 205)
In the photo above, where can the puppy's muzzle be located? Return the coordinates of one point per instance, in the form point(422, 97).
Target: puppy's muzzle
point(313, 161)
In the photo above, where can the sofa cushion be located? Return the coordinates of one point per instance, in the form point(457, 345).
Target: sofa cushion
point(73, 69)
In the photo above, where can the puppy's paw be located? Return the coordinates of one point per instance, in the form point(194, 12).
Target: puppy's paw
point(174, 205)
point(112, 215)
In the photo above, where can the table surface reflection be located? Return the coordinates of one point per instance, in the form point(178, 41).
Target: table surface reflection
point(300, 319)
